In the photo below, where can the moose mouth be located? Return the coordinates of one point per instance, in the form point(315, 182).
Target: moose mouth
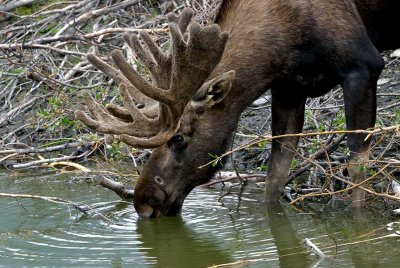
point(147, 211)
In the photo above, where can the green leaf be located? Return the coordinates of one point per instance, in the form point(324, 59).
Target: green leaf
point(66, 122)
point(17, 70)
point(363, 168)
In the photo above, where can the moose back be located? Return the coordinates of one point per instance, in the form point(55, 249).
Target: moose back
point(297, 49)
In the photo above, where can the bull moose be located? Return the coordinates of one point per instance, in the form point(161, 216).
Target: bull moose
point(296, 48)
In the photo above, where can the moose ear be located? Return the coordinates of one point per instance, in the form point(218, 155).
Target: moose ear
point(213, 91)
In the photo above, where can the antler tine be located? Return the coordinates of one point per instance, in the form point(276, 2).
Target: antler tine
point(182, 20)
point(157, 63)
point(176, 77)
point(106, 68)
point(155, 141)
point(144, 56)
point(139, 82)
point(106, 123)
point(203, 52)
point(150, 110)
point(117, 76)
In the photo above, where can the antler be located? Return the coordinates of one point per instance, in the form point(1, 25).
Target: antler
point(151, 112)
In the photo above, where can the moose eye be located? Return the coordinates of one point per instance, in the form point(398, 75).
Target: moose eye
point(178, 141)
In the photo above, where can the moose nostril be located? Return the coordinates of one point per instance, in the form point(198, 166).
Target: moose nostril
point(159, 180)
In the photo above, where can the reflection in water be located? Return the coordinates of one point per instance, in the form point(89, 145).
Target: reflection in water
point(363, 255)
point(290, 248)
point(173, 244)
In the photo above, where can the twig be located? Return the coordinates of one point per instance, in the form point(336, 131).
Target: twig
point(42, 150)
point(56, 200)
point(352, 186)
point(123, 30)
point(96, 13)
point(15, 4)
point(13, 112)
point(39, 46)
point(227, 176)
point(235, 264)
point(311, 134)
point(50, 160)
point(305, 165)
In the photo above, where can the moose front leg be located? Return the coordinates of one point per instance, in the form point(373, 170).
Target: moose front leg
point(287, 118)
point(359, 91)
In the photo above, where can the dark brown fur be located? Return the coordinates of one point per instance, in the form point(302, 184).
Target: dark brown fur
point(296, 48)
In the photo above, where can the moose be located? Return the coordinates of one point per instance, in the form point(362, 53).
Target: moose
point(191, 107)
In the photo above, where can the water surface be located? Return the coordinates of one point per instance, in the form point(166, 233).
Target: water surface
point(36, 233)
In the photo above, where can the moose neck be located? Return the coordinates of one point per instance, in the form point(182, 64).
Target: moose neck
point(247, 52)
point(249, 83)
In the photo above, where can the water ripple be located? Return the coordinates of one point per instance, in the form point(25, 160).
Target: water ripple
point(42, 234)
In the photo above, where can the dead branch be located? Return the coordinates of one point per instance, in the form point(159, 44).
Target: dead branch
point(39, 46)
point(96, 13)
point(15, 4)
point(49, 160)
point(236, 264)
point(117, 187)
point(56, 200)
point(42, 150)
point(305, 165)
point(265, 138)
point(228, 176)
point(352, 186)
point(15, 111)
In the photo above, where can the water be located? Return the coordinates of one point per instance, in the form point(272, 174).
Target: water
point(36, 233)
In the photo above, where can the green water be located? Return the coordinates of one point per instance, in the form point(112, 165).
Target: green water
point(35, 233)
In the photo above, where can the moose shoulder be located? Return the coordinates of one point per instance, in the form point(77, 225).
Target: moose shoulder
point(298, 49)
